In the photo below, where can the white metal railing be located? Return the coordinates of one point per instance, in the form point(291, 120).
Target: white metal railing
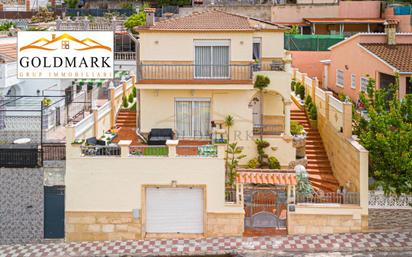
point(103, 110)
point(336, 104)
point(320, 93)
point(83, 125)
point(377, 200)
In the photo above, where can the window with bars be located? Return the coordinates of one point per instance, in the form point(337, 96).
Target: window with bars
point(339, 78)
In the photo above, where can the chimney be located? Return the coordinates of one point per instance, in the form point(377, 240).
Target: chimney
point(150, 16)
point(390, 30)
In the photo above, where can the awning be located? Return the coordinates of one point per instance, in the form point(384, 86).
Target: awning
point(344, 20)
point(272, 178)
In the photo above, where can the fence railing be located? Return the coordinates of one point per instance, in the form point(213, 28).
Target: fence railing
point(377, 200)
point(100, 150)
point(329, 197)
point(196, 150)
point(125, 56)
point(20, 156)
point(148, 150)
point(310, 42)
point(54, 151)
point(240, 72)
point(268, 129)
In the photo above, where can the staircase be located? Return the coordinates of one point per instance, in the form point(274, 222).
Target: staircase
point(126, 119)
point(318, 168)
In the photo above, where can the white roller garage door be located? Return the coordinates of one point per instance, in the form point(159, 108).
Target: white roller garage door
point(174, 210)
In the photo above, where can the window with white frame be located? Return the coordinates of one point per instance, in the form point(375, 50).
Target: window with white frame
point(339, 78)
point(364, 83)
point(353, 81)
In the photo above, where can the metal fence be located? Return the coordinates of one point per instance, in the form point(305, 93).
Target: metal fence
point(329, 197)
point(93, 11)
point(53, 151)
point(100, 150)
point(20, 156)
point(310, 42)
point(378, 200)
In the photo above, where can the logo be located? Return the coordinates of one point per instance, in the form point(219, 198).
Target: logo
point(65, 54)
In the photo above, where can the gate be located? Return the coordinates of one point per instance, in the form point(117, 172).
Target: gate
point(54, 212)
point(265, 208)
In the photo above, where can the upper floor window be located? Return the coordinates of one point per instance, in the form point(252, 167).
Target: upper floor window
point(339, 78)
point(212, 59)
point(364, 83)
point(257, 48)
point(353, 81)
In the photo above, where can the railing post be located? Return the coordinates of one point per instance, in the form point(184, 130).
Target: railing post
point(124, 86)
point(95, 122)
point(124, 148)
point(171, 144)
point(328, 94)
point(70, 134)
point(315, 84)
point(112, 106)
point(347, 119)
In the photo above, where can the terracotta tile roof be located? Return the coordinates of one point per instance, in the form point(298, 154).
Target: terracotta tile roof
point(212, 21)
point(273, 178)
point(343, 20)
point(399, 56)
point(8, 52)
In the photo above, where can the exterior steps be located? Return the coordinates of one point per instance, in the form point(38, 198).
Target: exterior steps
point(126, 119)
point(318, 167)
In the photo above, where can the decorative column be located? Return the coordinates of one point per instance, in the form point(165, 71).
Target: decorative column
point(347, 119)
point(124, 148)
point(315, 84)
point(172, 144)
point(124, 86)
point(287, 117)
point(95, 122)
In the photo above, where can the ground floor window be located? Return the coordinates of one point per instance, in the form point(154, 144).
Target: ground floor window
point(408, 85)
point(192, 117)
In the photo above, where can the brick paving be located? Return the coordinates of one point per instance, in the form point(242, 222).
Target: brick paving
point(359, 242)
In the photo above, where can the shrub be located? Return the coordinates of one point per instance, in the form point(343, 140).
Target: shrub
point(137, 19)
point(262, 156)
point(131, 98)
point(301, 92)
point(296, 128)
point(308, 100)
point(252, 163)
point(133, 108)
point(273, 163)
point(125, 104)
point(292, 85)
point(313, 115)
point(134, 92)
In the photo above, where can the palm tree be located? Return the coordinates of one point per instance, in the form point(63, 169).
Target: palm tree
point(261, 83)
point(229, 121)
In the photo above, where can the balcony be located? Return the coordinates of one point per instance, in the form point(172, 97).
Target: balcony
point(196, 74)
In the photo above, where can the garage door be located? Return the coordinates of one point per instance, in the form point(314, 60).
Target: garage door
point(174, 210)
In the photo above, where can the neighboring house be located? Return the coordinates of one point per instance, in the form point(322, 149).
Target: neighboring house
point(401, 13)
point(378, 55)
point(193, 72)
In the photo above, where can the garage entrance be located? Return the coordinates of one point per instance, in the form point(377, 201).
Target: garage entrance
point(174, 210)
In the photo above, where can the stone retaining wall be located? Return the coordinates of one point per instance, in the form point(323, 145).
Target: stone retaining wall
point(21, 205)
point(390, 219)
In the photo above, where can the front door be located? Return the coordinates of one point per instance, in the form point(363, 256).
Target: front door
point(54, 212)
point(192, 118)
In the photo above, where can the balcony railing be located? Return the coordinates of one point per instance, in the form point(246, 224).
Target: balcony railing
point(148, 150)
point(100, 150)
point(125, 56)
point(329, 198)
point(196, 150)
point(189, 72)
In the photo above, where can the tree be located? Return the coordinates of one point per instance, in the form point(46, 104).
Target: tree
point(234, 154)
point(387, 134)
point(71, 3)
point(229, 122)
point(261, 83)
point(137, 19)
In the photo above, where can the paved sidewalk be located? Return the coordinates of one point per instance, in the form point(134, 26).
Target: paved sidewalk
point(360, 242)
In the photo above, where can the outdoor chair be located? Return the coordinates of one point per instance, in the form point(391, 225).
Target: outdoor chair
point(159, 136)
